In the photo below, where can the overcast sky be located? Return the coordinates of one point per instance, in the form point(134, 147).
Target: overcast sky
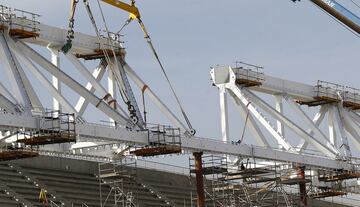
point(292, 41)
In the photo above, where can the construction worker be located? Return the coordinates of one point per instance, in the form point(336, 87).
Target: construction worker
point(42, 196)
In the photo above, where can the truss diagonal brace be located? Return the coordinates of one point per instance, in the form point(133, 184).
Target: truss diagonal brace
point(14, 75)
point(329, 151)
point(46, 83)
point(63, 77)
point(254, 128)
point(154, 98)
point(235, 91)
point(313, 127)
point(352, 128)
point(319, 117)
point(8, 105)
point(340, 119)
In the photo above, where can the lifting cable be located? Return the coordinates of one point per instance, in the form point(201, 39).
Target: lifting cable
point(151, 45)
point(131, 107)
point(106, 54)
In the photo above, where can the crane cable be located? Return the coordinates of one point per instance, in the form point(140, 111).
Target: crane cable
point(131, 106)
point(149, 41)
point(151, 45)
point(105, 52)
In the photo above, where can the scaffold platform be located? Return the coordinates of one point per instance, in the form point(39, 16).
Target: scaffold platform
point(340, 176)
point(248, 75)
point(48, 139)
point(58, 128)
point(99, 54)
point(329, 93)
point(327, 194)
point(7, 155)
point(156, 150)
point(162, 140)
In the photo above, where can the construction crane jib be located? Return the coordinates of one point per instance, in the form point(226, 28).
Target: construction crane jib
point(339, 12)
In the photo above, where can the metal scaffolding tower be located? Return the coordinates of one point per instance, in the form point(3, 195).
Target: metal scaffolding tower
point(118, 180)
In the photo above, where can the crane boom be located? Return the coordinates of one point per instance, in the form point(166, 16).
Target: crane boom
point(338, 11)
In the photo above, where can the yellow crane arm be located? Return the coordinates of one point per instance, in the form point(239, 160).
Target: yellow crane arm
point(131, 8)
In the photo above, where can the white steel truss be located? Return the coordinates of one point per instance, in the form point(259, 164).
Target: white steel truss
point(20, 105)
point(343, 121)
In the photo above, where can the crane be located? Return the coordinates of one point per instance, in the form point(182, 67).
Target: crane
point(339, 12)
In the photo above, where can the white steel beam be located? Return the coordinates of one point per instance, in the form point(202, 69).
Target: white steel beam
point(269, 84)
point(111, 82)
point(85, 72)
point(8, 105)
point(13, 74)
point(43, 80)
point(279, 107)
point(254, 128)
point(339, 117)
point(236, 93)
point(154, 98)
point(55, 59)
point(54, 36)
point(92, 80)
point(318, 134)
point(82, 104)
point(7, 94)
point(332, 131)
point(224, 114)
point(353, 129)
point(194, 144)
point(328, 150)
point(66, 79)
point(318, 118)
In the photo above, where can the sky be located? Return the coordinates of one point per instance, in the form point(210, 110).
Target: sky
point(295, 41)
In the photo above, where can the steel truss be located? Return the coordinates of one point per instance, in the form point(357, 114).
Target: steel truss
point(22, 109)
point(343, 121)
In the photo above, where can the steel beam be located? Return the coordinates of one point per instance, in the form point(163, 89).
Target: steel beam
point(97, 132)
point(82, 104)
point(43, 80)
point(13, 74)
point(328, 150)
point(318, 118)
point(254, 128)
point(339, 117)
point(154, 98)
point(55, 59)
point(317, 132)
point(66, 79)
point(236, 94)
point(279, 107)
point(224, 114)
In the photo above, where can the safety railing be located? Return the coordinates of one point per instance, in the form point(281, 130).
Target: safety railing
point(330, 90)
point(248, 74)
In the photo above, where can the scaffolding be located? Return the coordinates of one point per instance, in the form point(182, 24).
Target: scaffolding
point(328, 93)
point(248, 75)
point(162, 140)
point(117, 182)
point(247, 184)
point(21, 24)
point(57, 127)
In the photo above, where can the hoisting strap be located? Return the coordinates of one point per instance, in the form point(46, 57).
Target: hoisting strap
point(149, 41)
